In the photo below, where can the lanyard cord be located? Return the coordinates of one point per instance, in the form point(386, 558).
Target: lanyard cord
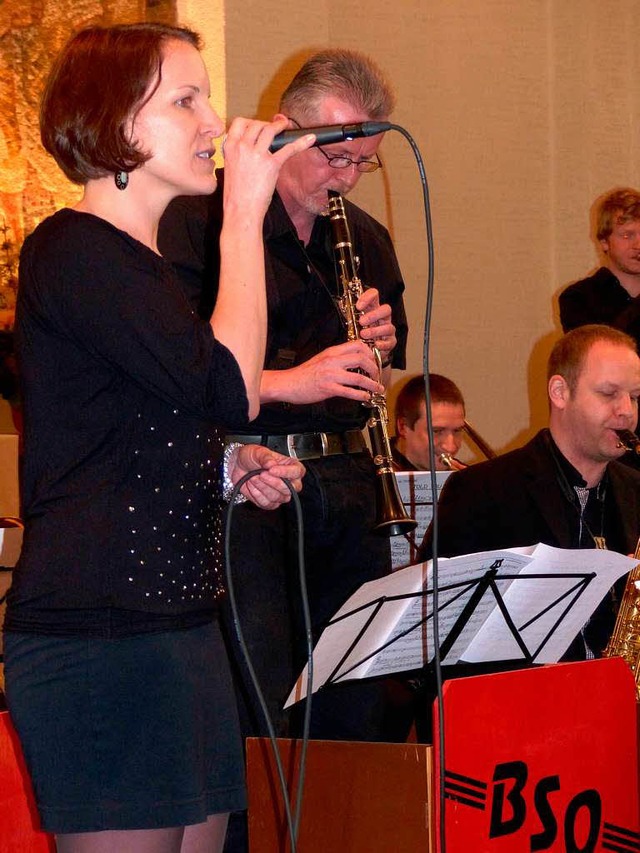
point(578, 497)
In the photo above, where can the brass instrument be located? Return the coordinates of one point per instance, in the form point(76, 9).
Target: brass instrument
point(629, 440)
point(392, 518)
point(625, 640)
point(454, 464)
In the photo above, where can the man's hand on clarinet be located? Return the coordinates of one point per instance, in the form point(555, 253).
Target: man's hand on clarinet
point(376, 324)
point(330, 373)
point(347, 370)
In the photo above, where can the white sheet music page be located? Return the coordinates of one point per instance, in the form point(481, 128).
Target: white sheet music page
point(527, 599)
point(417, 497)
point(357, 642)
point(365, 624)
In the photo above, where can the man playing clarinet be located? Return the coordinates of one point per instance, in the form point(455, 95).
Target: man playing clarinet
point(312, 394)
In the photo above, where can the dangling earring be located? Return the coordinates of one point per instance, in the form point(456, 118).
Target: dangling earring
point(122, 180)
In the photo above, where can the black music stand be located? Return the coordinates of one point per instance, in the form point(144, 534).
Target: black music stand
point(487, 583)
point(464, 599)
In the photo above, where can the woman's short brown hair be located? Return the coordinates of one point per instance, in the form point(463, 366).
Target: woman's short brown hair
point(101, 78)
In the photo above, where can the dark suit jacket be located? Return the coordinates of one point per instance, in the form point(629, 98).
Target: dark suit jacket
point(515, 500)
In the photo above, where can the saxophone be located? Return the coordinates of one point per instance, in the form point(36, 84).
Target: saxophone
point(625, 639)
point(628, 440)
point(391, 516)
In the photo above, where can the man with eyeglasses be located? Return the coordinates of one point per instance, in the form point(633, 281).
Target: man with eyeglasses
point(315, 387)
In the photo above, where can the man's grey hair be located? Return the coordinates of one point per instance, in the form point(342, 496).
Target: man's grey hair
point(345, 74)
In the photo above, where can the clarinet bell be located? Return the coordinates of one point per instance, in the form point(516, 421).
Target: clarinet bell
point(392, 518)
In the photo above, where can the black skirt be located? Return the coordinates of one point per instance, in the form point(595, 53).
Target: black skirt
point(139, 732)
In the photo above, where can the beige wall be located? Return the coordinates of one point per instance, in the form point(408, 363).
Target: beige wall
point(207, 17)
point(524, 112)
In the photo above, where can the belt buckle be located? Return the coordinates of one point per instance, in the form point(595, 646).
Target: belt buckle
point(323, 450)
point(291, 450)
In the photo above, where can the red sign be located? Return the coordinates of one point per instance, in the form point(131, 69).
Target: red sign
point(541, 759)
point(19, 831)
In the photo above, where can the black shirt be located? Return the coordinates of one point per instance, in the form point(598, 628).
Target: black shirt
point(303, 318)
point(595, 512)
point(600, 298)
point(123, 389)
point(596, 518)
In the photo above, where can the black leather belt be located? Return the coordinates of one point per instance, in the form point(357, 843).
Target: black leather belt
point(308, 445)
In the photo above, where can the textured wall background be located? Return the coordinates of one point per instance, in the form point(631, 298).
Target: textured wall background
point(524, 113)
point(31, 34)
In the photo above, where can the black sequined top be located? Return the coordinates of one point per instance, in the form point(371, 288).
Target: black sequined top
point(124, 387)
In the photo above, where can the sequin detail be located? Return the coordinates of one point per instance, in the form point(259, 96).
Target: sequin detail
point(175, 543)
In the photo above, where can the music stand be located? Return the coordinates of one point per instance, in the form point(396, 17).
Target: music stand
point(487, 583)
point(478, 625)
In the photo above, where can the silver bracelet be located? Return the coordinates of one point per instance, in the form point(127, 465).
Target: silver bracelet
point(227, 485)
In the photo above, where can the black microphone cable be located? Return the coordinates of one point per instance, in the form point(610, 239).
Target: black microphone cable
point(293, 818)
point(364, 130)
point(437, 664)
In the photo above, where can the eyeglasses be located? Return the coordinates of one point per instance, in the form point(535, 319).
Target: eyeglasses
point(343, 162)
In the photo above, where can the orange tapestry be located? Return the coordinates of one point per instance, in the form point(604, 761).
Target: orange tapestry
point(31, 185)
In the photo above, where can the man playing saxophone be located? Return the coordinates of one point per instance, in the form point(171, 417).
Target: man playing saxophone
point(566, 487)
point(314, 385)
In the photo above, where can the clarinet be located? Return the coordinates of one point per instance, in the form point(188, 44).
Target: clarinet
point(391, 516)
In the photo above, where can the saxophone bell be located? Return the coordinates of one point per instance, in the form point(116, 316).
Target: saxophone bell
point(625, 639)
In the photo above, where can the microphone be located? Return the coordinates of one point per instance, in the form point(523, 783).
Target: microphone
point(329, 133)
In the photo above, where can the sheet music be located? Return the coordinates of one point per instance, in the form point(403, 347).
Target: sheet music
point(494, 639)
point(417, 497)
point(357, 642)
point(472, 567)
point(373, 605)
point(348, 623)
